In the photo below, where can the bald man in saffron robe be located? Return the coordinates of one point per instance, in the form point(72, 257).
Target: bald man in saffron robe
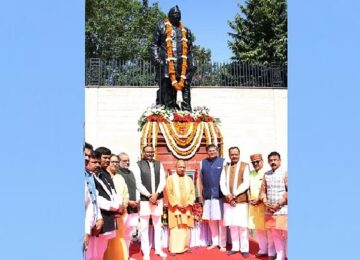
point(181, 196)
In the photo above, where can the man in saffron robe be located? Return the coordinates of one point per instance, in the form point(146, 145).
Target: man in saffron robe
point(181, 196)
point(159, 51)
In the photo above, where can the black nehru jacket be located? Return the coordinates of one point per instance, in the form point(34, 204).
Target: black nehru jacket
point(145, 174)
point(131, 185)
point(108, 216)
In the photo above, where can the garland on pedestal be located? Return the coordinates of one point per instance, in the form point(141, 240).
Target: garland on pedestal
point(182, 130)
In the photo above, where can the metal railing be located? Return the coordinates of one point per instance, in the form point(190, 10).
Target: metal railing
point(142, 73)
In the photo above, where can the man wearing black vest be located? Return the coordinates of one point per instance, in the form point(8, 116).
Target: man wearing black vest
point(109, 203)
point(131, 219)
point(150, 181)
point(212, 197)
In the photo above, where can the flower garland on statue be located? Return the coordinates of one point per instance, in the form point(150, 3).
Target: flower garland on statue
point(177, 85)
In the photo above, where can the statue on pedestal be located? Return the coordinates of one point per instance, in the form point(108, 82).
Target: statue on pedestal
point(172, 52)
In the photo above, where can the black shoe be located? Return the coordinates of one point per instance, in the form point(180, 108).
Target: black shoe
point(260, 255)
point(245, 254)
point(231, 252)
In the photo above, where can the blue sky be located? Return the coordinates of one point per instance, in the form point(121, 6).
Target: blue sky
point(208, 20)
point(42, 113)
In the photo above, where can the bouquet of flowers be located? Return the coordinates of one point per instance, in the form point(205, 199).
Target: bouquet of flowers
point(164, 217)
point(197, 211)
point(158, 113)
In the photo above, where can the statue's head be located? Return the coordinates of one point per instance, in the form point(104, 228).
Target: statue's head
point(174, 15)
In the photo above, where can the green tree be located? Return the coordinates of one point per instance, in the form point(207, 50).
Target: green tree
point(202, 55)
point(260, 32)
point(120, 29)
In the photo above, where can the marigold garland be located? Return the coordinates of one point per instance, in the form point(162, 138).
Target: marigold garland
point(183, 153)
point(181, 141)
point(182, 146)
point(172, 73)
point(177, 129)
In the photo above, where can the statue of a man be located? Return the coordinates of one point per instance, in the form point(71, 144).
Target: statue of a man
point(172, 52)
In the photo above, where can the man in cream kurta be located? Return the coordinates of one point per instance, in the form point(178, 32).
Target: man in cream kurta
point(117, 247)
point(257, 208)
point(181, 196)
point(150, 181)
point(234, 184)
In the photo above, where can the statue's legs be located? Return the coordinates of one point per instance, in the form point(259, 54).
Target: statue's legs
point(186, 104)
point(166, 95)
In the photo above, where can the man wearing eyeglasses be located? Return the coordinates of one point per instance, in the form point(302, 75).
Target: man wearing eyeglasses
point(116, 247)
point(131, 219)
point(257, 207)
point(150, 181)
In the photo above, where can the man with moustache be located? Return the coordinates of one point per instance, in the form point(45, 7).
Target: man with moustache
point(93, 218)
point(234, 183)
point(181, 196)
point(274, 196)
point(131, 219)
point(257, 207)
point(150, 181)
point(212, 197)
point(109, 202)
point(88, 149)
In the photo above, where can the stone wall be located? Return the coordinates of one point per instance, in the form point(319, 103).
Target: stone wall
point(253, 119)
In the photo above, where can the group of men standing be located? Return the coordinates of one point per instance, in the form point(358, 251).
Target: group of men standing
point(235, 197)
point(118, 200)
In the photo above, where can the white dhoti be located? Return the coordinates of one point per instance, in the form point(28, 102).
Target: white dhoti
point(131, 221)
point(236, 216)
point(97, 246)
point(237, 220)
point(213, 209)
point(155, 211)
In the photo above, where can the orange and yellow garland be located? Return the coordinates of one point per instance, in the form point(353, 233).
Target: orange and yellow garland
point(181, 147)
point(172, 74)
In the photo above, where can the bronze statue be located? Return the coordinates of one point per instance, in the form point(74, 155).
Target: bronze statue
point(172, 52)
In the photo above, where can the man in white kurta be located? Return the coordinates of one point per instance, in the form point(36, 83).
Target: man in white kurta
point(234, 184)
point(150, 181)
point(274, 196)
point(93, 218)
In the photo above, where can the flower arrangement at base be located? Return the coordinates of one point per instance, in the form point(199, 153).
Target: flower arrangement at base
point(158, 113)
point(183, 131)
point(197, 211)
